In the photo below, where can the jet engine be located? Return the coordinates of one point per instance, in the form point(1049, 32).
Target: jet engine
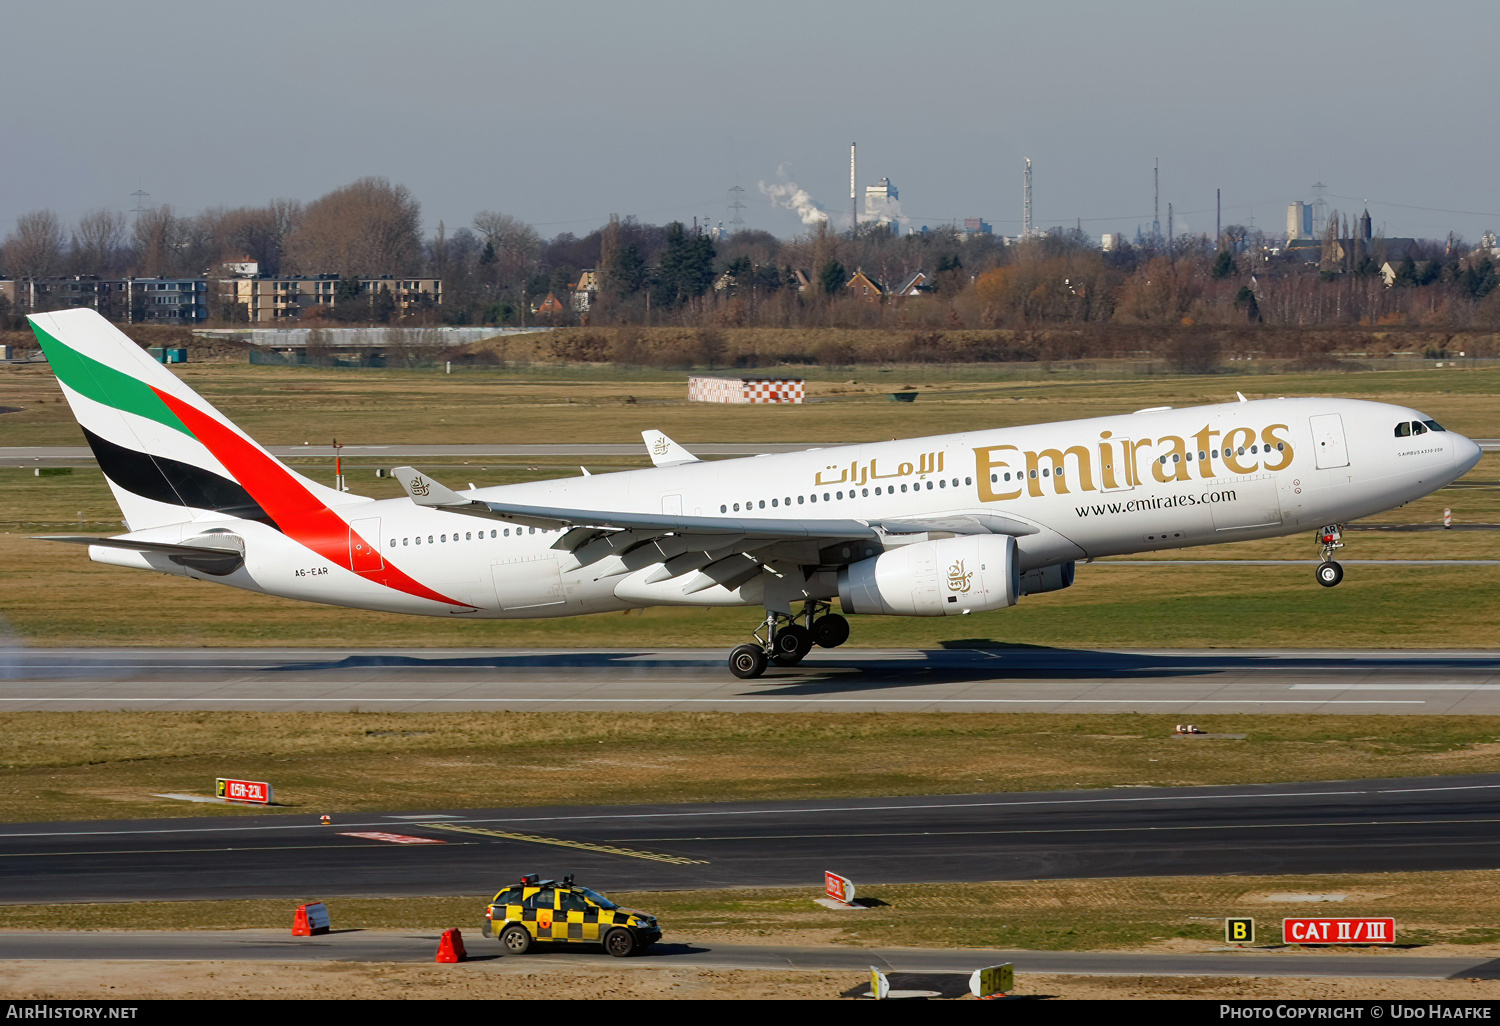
point(1048, 578)
point(970, 573)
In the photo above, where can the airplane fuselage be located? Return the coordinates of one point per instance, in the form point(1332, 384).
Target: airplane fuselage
point(1068, 491)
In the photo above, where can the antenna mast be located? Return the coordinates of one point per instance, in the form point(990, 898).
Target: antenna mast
point(736, 222)
point(1026, 203)
point(1156, 201)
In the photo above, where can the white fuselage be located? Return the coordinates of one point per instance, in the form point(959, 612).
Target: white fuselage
point(1130, 483)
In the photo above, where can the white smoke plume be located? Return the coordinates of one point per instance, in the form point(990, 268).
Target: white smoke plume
point(793, 197)
point(882, 208)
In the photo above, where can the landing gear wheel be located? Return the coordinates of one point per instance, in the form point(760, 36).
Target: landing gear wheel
point(1329, 573)
point(619, 943)
point(515, 940)
point(790, 644)
point(747, 662)
point(830, 631)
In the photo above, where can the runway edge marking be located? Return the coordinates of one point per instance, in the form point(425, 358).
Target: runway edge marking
point(677, 860)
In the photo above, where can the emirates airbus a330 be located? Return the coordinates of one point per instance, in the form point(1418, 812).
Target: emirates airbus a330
point(938, 526)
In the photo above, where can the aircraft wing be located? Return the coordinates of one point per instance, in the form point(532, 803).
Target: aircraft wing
point(727, 549)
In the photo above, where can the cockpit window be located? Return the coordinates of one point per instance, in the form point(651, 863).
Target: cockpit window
point(1433, 425)
point(1417, 428)
point(1403, 429)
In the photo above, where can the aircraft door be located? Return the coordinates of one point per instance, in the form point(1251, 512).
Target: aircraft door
point(1328, 441)
point(364, 546)
point(671, 505)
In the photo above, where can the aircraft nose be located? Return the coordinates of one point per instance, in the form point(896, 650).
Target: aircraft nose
point(1466, 453)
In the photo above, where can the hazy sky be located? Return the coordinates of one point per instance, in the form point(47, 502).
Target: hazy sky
point(564, 113)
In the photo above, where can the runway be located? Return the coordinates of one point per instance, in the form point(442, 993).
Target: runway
point(958, 679)
point(1363, 826)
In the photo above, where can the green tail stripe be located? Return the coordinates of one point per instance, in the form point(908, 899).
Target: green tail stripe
point(104, 384)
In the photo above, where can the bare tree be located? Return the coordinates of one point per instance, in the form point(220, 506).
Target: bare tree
point(98, 242)
point(368, 228)
point(513, 247)
point(35, 248)
point(159, 235)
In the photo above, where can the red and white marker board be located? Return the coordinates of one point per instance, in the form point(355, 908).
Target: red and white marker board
point(256, 791)
point(1338, 931)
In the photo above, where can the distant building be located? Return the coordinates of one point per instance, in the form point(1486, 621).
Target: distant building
point(258, 300)
point(1298, 221)
point(864, 287)
point(135, 300)
point(880, 202)
point(585, 291)
point(916, 285)
point(1112, 242)
point(550, 307)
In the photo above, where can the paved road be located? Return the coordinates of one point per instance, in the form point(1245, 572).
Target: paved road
point(1178, 682)
point(418, 946)
point(1366, 826)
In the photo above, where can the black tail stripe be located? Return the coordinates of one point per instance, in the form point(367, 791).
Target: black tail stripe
point(174, 482)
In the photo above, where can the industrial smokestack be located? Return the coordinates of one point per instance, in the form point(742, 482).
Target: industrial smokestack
point(853, 207)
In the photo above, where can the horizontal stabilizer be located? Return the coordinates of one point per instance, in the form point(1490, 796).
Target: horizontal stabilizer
point(165, 548)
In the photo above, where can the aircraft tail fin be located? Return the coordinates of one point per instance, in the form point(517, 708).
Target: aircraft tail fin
point(169, 456)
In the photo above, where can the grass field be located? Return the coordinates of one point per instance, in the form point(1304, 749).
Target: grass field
point(60, 766)
point(296, 405)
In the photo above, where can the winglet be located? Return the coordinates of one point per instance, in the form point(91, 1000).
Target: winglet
point(424, 491)
point(665, 452)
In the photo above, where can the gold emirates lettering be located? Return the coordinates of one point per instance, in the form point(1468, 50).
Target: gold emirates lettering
point(1115, 462)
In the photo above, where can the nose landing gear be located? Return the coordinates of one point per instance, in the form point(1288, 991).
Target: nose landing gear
point(783, 641)
point(1330, 538)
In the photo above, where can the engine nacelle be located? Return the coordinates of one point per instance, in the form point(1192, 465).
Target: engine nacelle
point(967, 574)
point(1047, 578)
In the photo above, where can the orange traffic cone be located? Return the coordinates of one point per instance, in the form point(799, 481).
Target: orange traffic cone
point(310, 919)
point(451, 947)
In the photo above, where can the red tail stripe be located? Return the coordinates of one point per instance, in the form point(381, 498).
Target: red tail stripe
point(300, 515)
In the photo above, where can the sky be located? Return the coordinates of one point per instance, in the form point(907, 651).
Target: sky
point(564, 114)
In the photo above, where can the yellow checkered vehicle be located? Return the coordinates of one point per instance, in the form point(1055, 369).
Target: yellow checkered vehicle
point(537, 910)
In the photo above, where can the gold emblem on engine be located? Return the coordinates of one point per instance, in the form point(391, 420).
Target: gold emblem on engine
point(958, 577)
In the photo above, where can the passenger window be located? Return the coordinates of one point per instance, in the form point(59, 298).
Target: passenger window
point(799, 500)
point(1403, 429)
point(877, 490)
point(393, 543)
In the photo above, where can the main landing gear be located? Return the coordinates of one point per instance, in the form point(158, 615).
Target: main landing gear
point(1330, 538)
point(783, 641)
